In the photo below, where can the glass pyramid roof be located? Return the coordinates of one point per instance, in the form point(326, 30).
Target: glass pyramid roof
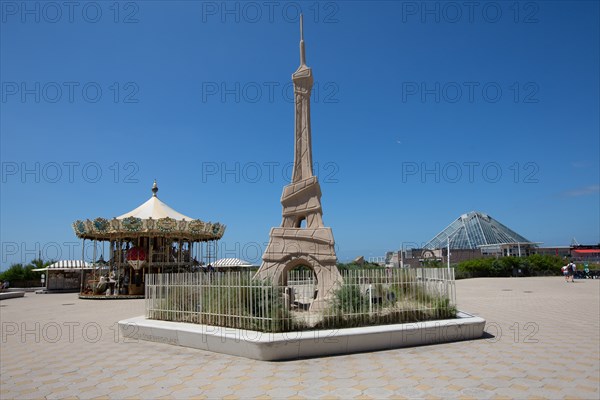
point(472, 230)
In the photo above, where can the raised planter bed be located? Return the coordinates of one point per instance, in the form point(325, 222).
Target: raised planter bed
point(302, 344)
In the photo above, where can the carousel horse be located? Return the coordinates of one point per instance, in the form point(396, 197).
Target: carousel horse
point(101, 286)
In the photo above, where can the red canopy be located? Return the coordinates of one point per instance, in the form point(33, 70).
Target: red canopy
point(587, 251)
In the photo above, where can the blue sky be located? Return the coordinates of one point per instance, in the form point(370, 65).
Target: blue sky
point(421, 111)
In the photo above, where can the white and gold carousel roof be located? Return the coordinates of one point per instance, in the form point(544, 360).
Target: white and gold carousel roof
point(155, 209)
point(152, 218)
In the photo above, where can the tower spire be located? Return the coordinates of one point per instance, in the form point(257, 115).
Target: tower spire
point(302, 235)
point(302, 52)
point(303, 82)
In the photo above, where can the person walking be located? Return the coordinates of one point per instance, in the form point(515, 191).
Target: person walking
point(570, 272)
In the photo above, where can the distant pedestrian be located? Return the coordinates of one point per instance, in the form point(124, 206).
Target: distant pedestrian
point(573, 270)
point(565, 273)
point(586, 270)
point(570, 272)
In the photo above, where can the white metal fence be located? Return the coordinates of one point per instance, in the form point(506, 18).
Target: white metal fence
point(365, 297)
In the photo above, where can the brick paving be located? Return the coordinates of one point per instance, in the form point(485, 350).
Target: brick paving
point(542, 341)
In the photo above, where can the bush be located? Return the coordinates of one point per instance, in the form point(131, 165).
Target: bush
point(350, 299)
point(19, 272)
point(534, 265)
point(355, 266)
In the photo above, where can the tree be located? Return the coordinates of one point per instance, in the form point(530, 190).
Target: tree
point(19, 272)
point(38, 263)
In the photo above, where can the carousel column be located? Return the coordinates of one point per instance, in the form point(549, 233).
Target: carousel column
point(150, 246)
point(94, 255)
point(113, 261)
point(178, 253)
point(82, 264)
point(216, 250)
point(208, 253)
point(181, 245)
point(110, 261)
point(193, 252)
point(125, 264)
point(140, 269)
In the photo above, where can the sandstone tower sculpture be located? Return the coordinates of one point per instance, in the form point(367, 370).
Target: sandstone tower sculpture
point(302, 238)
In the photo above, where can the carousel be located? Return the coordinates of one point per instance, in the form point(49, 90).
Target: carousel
point(152, 238)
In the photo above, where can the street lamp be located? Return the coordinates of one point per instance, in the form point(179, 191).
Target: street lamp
point(448, 255)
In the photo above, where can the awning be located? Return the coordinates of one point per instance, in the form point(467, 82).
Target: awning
point(587, 251)
point(232, 263)
point(65, 265)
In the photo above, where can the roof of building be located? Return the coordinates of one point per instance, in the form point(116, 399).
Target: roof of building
point(474, 230)
point(232, 262)
point(154, 208)
point(153, 218)
point(66, 265)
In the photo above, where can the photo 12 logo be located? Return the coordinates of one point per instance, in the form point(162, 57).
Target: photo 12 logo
point(469, 172)
point(68, 331)
point(267, 171)
point(24, 252)
point(269, 92)
point(53, 12)
point(68, 172)
point(519, 332)
point(454, 12)
point(470, 92)
point(68, 92)
point(253, 251)
point(251, 12)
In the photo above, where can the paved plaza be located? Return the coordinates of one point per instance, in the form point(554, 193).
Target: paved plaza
point(542, 341)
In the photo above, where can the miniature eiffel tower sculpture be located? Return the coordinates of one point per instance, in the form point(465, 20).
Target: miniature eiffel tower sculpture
point(293, 244)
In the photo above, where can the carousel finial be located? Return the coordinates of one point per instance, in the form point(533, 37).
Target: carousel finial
point(154, 188)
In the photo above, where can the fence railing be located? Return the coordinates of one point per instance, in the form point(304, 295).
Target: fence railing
point(364, 297)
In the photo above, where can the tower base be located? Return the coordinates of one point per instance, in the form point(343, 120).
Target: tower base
point(292, 247)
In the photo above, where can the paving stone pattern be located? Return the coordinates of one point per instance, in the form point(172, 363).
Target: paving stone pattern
point(542, 341)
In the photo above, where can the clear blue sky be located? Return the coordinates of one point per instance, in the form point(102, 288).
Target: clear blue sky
point(422, 111)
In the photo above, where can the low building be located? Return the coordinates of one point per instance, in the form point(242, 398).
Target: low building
point(586, 253)
point(472, 235)
point(559, 251)
point(233, 264)
point(65, 275)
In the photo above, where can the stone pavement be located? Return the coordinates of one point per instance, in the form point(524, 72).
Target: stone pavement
point(543, 342)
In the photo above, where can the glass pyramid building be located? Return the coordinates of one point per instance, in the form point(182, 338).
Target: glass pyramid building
point(473, 230)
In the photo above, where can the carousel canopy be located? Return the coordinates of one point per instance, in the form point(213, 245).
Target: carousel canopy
point(152, 218)
point(155, 209)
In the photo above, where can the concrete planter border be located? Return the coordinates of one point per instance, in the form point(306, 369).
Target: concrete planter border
point(11, 295)
point(302, 344)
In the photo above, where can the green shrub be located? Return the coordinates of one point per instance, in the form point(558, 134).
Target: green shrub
point(533, 265)
point(19, 272)
point(350, 299)
point(355, 266)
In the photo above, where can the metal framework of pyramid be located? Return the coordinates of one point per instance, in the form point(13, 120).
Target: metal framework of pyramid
point(473, 230)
